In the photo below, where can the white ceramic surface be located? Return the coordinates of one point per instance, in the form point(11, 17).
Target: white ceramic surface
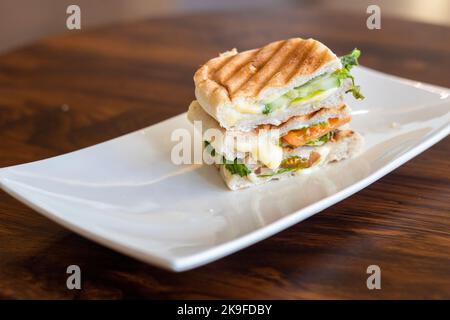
point(126, 193)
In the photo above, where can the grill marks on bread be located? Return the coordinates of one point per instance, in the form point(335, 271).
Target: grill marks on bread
point(247, 73)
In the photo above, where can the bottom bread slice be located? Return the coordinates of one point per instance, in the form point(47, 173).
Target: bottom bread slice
point(345, 144)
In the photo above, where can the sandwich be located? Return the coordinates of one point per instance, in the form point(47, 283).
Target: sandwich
point(276, 111)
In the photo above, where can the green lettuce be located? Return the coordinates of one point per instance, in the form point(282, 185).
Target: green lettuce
point(322, 140)
point(287, 165)
point(236, 168)
point(233, 166)
point(268, 108)
point(348, 62)
point(210, 149)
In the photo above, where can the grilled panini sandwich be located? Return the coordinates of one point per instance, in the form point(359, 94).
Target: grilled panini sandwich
point(279, 110)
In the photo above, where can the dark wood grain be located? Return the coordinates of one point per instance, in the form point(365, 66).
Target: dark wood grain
point(75, 90)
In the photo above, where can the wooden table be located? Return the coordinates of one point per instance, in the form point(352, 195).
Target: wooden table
point(75, 90)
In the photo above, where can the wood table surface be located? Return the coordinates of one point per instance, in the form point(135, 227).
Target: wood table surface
point(75, 90)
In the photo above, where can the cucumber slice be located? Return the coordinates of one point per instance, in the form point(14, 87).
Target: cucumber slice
point(279, 103)
point(304, 92)
point(320, 84)
point(308, 96)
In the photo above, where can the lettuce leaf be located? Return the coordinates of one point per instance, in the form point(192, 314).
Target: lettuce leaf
point(348, 62)
point(322, 140)
point(233, 166)
point(279, 171)
point(210, 149)
point(236, 168)
point(268, 108)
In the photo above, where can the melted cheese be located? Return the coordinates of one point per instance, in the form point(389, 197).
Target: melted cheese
point(231, 116)
point(270, 154)
point(247, 107)
point(263, 148)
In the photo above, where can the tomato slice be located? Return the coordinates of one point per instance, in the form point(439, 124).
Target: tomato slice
point(300, 137)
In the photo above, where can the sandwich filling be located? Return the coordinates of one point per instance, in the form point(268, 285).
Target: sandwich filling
point(267, 144)
point(270, 149)
point(293, 160)
point(314, 135)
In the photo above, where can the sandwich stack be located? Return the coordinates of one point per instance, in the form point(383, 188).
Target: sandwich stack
point(276, 111)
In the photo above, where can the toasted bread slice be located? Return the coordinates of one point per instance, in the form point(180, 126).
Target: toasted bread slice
point(256, 75)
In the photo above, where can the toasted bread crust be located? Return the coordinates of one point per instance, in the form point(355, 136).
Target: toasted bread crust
point(249, 73)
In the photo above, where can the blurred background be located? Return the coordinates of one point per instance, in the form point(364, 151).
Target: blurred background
point(25, 21)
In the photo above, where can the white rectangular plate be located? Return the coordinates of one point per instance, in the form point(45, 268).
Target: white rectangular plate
point(127, 194)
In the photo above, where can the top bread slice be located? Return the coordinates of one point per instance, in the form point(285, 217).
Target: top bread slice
point(258, 74)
